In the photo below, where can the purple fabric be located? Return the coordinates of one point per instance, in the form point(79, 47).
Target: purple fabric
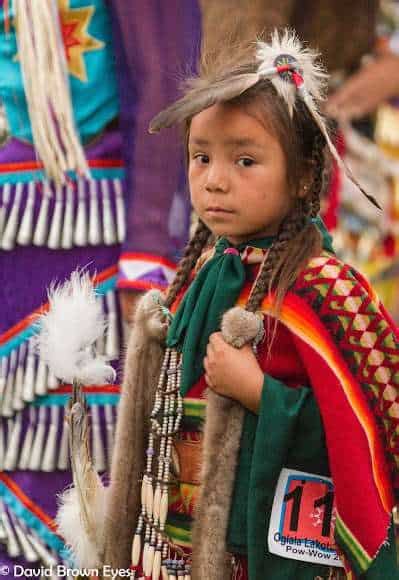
point(7, 565)
point(155, 276)
point(25, 274)
point(42, 488)
point(106, 146)
point(157, 44)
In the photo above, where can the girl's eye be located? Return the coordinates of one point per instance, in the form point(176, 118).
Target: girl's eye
point(201, 158)
point(246, 162)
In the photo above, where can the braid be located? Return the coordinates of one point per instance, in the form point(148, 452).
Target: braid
point(297, 238)
point(191, 254)
point(319, 161)
point(290, 227)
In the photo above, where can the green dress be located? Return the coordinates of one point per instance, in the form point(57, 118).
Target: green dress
point(288, 432)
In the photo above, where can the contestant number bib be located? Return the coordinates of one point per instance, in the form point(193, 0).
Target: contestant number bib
point(303, 518)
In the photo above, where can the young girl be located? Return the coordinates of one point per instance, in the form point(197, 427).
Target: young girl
point(259, 413)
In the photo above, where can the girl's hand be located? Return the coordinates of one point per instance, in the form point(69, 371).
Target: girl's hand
point(233, 372)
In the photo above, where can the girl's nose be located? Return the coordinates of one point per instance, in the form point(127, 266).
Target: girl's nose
point(216, 179)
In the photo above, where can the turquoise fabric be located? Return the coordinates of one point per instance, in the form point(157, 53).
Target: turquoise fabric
point(325, 234)
point(95, 102)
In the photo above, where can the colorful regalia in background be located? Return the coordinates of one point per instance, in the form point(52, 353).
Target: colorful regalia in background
point(68, 175)
point(367, 238)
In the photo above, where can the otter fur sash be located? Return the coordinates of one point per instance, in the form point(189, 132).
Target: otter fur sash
point(142, 368)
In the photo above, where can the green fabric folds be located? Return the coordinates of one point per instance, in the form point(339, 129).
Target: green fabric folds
point(215, 289)
point(287, 433)
point(327, 238)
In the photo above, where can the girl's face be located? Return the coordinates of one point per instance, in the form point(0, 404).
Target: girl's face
point(237, 173)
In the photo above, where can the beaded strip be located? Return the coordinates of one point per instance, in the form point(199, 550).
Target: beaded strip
point(150, 543)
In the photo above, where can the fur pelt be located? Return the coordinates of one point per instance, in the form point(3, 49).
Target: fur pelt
point(142, 367)
point(239, 326)
point(222, 435)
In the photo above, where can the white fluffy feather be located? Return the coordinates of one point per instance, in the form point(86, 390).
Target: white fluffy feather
point(85, 550)
point(287, 43)
point(69, 330)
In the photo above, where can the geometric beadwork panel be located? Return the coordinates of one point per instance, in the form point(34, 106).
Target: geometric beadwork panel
point(346, 305)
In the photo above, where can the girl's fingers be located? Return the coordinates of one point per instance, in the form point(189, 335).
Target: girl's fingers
point(208, 379)
point(216, 338)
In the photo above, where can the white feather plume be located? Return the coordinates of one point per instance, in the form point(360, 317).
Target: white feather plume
point(85, 548)
point(69, 330)
point(287, 43)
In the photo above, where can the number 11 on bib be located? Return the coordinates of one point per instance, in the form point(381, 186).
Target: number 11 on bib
point(303, 518)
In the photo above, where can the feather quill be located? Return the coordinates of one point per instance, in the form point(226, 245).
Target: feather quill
point(203, 97)
point(80, 515)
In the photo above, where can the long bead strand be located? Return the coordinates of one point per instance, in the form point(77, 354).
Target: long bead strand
point(154, 548)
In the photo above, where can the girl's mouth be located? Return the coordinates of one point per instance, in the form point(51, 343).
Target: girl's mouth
point(217, 209)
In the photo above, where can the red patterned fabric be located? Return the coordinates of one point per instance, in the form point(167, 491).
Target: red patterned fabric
point(349, 348)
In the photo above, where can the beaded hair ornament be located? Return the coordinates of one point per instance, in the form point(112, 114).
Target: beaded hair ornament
point(293, 71)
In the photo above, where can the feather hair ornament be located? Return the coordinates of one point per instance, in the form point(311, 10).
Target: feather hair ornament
point(287, 63)
point(201, 98)
point(294, 72)
point(81, 511)
point(69, 331)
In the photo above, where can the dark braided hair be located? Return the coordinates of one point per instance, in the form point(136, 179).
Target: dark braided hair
point(298, 238)
point(190, 256)
point(319, 175)
point(289, 229)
